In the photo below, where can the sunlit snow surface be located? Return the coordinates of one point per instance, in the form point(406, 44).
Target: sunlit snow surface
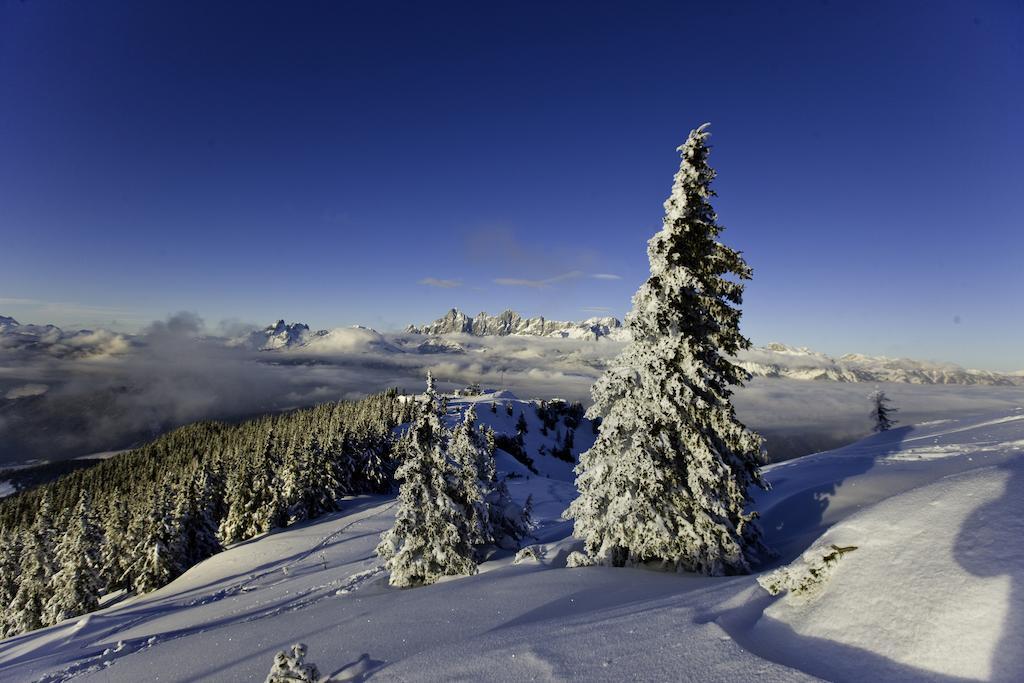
point(934, 591)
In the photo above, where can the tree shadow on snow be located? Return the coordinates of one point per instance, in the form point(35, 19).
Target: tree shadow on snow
point(991, 544)
point(793, 512)
point(360, 670)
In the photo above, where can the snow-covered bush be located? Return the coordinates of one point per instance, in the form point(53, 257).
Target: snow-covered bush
point(292, 667)
point(667, 480)
point(577, 559)
point(535, 553)
point(808, 573)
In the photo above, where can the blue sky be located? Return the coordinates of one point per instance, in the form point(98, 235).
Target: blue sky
point(324, 161)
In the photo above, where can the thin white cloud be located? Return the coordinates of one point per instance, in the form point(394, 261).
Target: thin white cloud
point(597, 309)
point(9, 301)
point(67, 309)
point(439, 282)
point(606, 276)
point(538, 284)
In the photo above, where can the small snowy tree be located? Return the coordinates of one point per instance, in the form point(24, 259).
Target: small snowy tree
point(521, 426)
point(292, 667)
point(76, 585)
point(429, 537)
point(667, 480)
point(508, 523)
point(881, 413)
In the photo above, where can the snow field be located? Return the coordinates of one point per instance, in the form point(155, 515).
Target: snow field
point(934, 590)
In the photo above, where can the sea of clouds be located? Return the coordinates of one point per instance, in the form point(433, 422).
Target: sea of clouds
point(111, 391)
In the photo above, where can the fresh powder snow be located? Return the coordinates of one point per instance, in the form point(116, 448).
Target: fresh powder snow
point(933, 511)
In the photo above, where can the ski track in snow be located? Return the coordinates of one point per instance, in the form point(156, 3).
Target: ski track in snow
point(307, 597)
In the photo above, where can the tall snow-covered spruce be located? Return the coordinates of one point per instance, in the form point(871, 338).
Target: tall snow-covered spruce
point(667, 480)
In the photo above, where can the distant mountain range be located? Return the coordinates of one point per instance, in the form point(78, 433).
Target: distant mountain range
point(779, 360)
point(511, 323)
point(442, 337)
point(53, 341)
point(773, 360)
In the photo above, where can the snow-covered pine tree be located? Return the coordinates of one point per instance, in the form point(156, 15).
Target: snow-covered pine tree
point(194, 517)
point(10, 571)
point(375, 469)
point(207, 487)
point(314, 488)
point(26, 610)
point(154, 563)
point(428, 540)
point(508, 523)
point(470, 489)
point(114, 551)
point(238, 502)
point(270, 508)
point(76, 585)
point(881, 413)
point(667, 479)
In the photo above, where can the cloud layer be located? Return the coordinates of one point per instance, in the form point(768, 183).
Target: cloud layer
point(121, 391)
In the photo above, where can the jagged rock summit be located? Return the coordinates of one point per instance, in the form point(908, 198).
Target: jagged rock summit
point(7, 323)
point(511, 323)
point(280, 335)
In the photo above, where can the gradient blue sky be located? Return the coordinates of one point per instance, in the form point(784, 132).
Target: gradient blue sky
point(320, 161)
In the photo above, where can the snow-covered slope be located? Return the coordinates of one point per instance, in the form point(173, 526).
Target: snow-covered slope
point(933, 590)
point(935, 587)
